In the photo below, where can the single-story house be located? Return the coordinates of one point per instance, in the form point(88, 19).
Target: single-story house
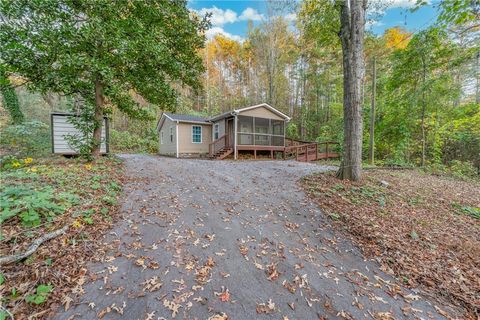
point(256, 128)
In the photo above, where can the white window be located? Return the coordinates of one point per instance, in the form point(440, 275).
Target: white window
point(216, 130)
point(196, 134)
point(171, 134)
point(161, 137)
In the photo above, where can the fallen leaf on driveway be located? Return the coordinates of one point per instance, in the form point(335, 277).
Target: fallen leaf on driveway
point(210, 237)
point(150, 315)
point(222, 316)
point(152, 284)
point(225, 296)
point(66, 300)
point(268, 307)
point(272, 272)
point(172, 306)
point(412, 297)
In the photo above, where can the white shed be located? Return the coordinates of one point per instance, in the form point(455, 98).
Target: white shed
point(61, 127)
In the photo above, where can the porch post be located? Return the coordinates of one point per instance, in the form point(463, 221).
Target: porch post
point(176, 136)
point(235, 137)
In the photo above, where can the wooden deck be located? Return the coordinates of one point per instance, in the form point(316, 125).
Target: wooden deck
point(295, 149)
point(310, 151)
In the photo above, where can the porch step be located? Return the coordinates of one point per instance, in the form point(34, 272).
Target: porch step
point(222, 153)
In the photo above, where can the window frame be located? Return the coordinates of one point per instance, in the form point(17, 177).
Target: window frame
point(161, 137)
point(201, 133)
point(171, 134)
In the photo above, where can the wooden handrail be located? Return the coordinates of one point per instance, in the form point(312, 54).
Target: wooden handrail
point(217, 145)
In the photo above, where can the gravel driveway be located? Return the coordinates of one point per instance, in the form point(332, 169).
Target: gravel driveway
point(240, 239)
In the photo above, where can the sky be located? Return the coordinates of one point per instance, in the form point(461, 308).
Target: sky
point(231, 17)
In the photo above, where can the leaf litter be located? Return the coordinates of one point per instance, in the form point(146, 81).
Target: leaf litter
point(414, 226)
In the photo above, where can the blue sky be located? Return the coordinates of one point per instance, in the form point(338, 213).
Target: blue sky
point(231, 17)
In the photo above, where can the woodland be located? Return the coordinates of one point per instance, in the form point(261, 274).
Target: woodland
point(424, 85)
point(403, 106)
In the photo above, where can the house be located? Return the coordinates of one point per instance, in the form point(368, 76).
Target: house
point(62, 127)
point(259, 128)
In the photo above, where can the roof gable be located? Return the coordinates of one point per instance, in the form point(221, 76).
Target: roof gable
point(185, 117)
point(262, 105)
point(266, 106)
point(180, 118)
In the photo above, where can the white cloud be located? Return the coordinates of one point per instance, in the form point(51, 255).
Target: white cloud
point(219, 16)
point(291, 17)
point(373, 23)
point(378, 7)
point(401, 3)
point(251, 14)
point(387, 4)
point(210, 33)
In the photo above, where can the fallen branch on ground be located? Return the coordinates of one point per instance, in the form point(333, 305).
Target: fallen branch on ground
point(33, 247)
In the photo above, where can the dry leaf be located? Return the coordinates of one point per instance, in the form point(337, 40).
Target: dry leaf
point(269, 307)
point(172, 306)
point(66, 300)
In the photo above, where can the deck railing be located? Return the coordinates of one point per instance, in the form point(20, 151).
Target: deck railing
point(217, 145)
point(328, 149)
point(310, 151)
point(302, 152)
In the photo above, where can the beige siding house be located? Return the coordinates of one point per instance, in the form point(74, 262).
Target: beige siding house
point(255, 128)
point(183, 135)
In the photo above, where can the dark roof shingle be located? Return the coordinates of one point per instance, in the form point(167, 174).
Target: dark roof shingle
point(185, 117)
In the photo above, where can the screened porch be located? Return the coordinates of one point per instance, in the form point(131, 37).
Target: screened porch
point(254, 131)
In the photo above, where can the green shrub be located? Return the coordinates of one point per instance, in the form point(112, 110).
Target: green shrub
point(124, 141)
point(462, 169)
point(27, 139)
point(292, 131)
point(456, 168)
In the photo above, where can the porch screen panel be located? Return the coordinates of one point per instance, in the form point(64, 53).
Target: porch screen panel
point(262, 126)
point(245, 130)
point(245, 124)
point(277, 127)
point(262, 140)
point(245, 138)
point(278, 140)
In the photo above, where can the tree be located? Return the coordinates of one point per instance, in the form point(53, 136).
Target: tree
point(104, 52)
point(352, 18)
point(397, 38)
point(10, 99)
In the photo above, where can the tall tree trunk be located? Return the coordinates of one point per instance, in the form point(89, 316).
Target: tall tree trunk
point(371, 154)
point(97, 131)
point(477, 76)
point(424, 106)
point(352, 17)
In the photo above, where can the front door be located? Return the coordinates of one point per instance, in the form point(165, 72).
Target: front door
point(230, 133)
